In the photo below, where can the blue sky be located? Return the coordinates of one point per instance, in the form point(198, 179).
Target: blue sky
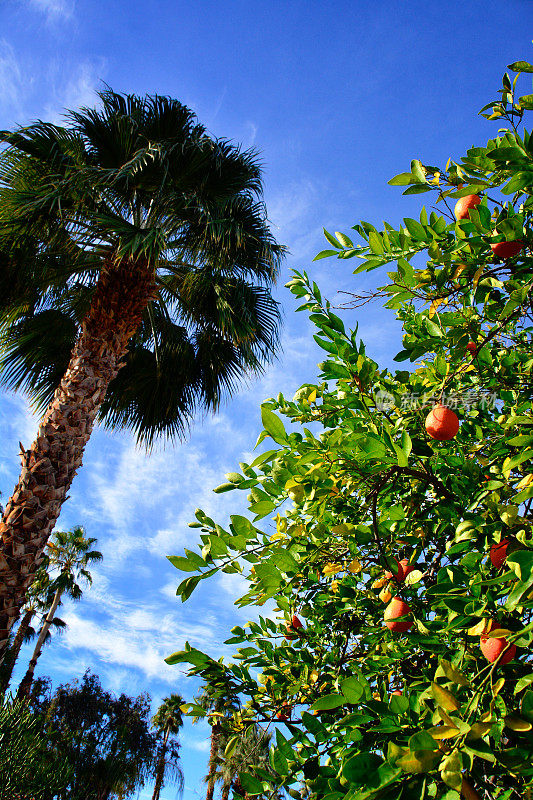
point(338, 97)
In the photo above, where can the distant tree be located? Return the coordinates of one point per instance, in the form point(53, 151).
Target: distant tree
point(38, 600)
point(106, 739)
point(244, 749)
point(69, 553)
point(217, 701)
point(30, 769)
point(167, 721)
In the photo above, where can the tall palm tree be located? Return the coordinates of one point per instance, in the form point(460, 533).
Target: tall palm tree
point(220, 700)
point(167, 721)
point(69, 553)
point(135, 271)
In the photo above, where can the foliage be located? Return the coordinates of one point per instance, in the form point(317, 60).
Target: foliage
point(357, 483)
point(105, 739)
point(29, 767)
point(139, 179)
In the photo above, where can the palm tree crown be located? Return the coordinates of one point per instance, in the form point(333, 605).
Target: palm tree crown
point(135, 272)
point(138, 179)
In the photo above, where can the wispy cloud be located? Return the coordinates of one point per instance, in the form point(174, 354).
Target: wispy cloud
point(54, 9)
point(13, 83)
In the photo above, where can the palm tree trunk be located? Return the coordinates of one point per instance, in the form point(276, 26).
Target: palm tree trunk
point(213, 758)
point(161, 764)
point(13, 652)
point(239, 788)
point(26, 682)
point(225, 790)
point(123, 291)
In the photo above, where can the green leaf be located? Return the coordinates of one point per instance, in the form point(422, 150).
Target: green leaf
point(331, 239)
point(360, 767)
point(520, 66)
point(526, 101)
point(273, 425)
point(403, 179)
point(328, 702)
point(376, 245)
point(353, 689)
point(250, 783)
point(183, 564)
point(325, 254)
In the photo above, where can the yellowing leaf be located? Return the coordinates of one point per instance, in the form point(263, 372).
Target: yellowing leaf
point(517, 724)
point(312, 397)
point(444, 698)
point(460, 269)
point(443, 732)
point(498, 686)
point(355, 566)
point(379, 582)
point(452, 673)
point(313, 676)
point(331, 569)
point(526, 480)
point(413, 577)
point(433, 307)
point(477, 630)
point(385, 595)
point(479, 729)
point(477, 275)
point(276, 536)
point(445, 718)
point(334, 586)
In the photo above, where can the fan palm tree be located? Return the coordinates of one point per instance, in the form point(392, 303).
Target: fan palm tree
point(219, 700)
point(69, 553)
point(167, 721)
point(135, 271)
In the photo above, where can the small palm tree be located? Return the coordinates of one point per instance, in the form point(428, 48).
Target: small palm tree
point(36, 602)
point(135, 272)
point(69, 553)
point(167, 721)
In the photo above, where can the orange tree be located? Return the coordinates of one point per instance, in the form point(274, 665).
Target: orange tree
point(410, 679)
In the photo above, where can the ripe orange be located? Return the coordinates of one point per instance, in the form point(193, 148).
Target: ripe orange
point(472, 348)
point(397, 608)
point(464, 204)
point(397, 691)
point(492, 649)
point(284, 714)
point(404, 568)
point(506, 250)
point(498, 553)
point(293, 627)
point(442, 423)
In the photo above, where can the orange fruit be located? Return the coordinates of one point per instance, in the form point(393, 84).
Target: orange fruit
point(284, 714)
point(404, 568)
point(397, 608)
point(472, 348)
point(464, 204)
point(442, 423)
point(506, 250)
point(492, 649)
point(498, 553)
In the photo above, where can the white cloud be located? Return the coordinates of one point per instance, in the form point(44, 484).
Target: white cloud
point(54, 9)
point(13, 83)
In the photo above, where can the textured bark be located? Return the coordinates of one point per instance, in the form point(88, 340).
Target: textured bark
point(26, 682)
point(122, 293)
point(213, 758)
point(161, 764)
point(224, 795)
point(14, 650)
